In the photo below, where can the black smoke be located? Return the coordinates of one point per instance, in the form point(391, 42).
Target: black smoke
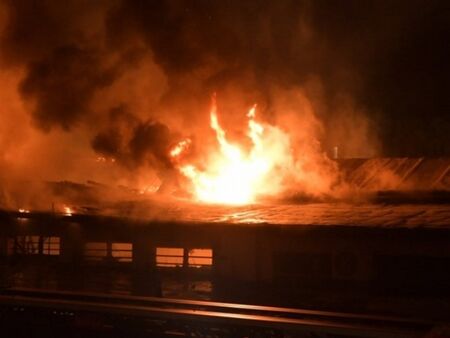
point(133, 142)
point(66, 64)
point(390, 57)
point(63, 84)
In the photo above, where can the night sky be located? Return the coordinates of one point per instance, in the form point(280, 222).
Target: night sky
point(390, 57)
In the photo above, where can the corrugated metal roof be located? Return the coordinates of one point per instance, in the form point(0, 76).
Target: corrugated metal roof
point(395, 192)
point(397, 173)
point(315, 214)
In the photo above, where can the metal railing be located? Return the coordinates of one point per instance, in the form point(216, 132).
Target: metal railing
point(170, 315)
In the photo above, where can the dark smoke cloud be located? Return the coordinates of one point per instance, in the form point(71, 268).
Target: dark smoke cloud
point(385, 58)
point(390, 57)
point(271, 40)
point(67, 63)
point(33, 31)
point(133, 142)
point(63, 85)
point(64, 68)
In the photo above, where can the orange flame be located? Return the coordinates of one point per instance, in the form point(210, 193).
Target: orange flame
point(180, 148)
point(68, 211)
point(234, 176)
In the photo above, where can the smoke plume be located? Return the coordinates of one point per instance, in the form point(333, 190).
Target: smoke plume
point(125, 80)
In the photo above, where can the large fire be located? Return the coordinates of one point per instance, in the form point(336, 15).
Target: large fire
point(233, 174)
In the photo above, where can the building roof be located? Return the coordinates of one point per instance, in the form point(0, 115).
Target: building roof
point(401, 173)
point(386, 192)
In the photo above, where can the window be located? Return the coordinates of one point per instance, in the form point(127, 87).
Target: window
point(178, 257)
point(116, 252)
point(169, 257)
point(34, 245)
point(199, 258)
point(95, 251)
point(51, 246)
point(122, 252)
point(24, 245)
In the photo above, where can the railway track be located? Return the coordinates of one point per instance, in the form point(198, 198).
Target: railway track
point(175, 317)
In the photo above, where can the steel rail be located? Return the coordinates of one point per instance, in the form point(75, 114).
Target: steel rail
point(140, 300)
point(220, 313)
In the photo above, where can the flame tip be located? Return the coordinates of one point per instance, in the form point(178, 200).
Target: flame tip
point(233, 176)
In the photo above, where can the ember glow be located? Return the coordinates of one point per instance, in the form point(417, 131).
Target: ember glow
point(68, 211)
point(180, 147)
point(102, 159)
point(234, 175)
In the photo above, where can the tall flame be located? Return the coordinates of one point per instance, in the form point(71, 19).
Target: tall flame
point(180, 147)
point(235, 176)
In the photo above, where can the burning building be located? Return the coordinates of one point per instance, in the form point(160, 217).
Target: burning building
point(289, 153)
point(287, 253)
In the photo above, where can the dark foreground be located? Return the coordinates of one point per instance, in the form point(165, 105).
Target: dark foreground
point(28, 313)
